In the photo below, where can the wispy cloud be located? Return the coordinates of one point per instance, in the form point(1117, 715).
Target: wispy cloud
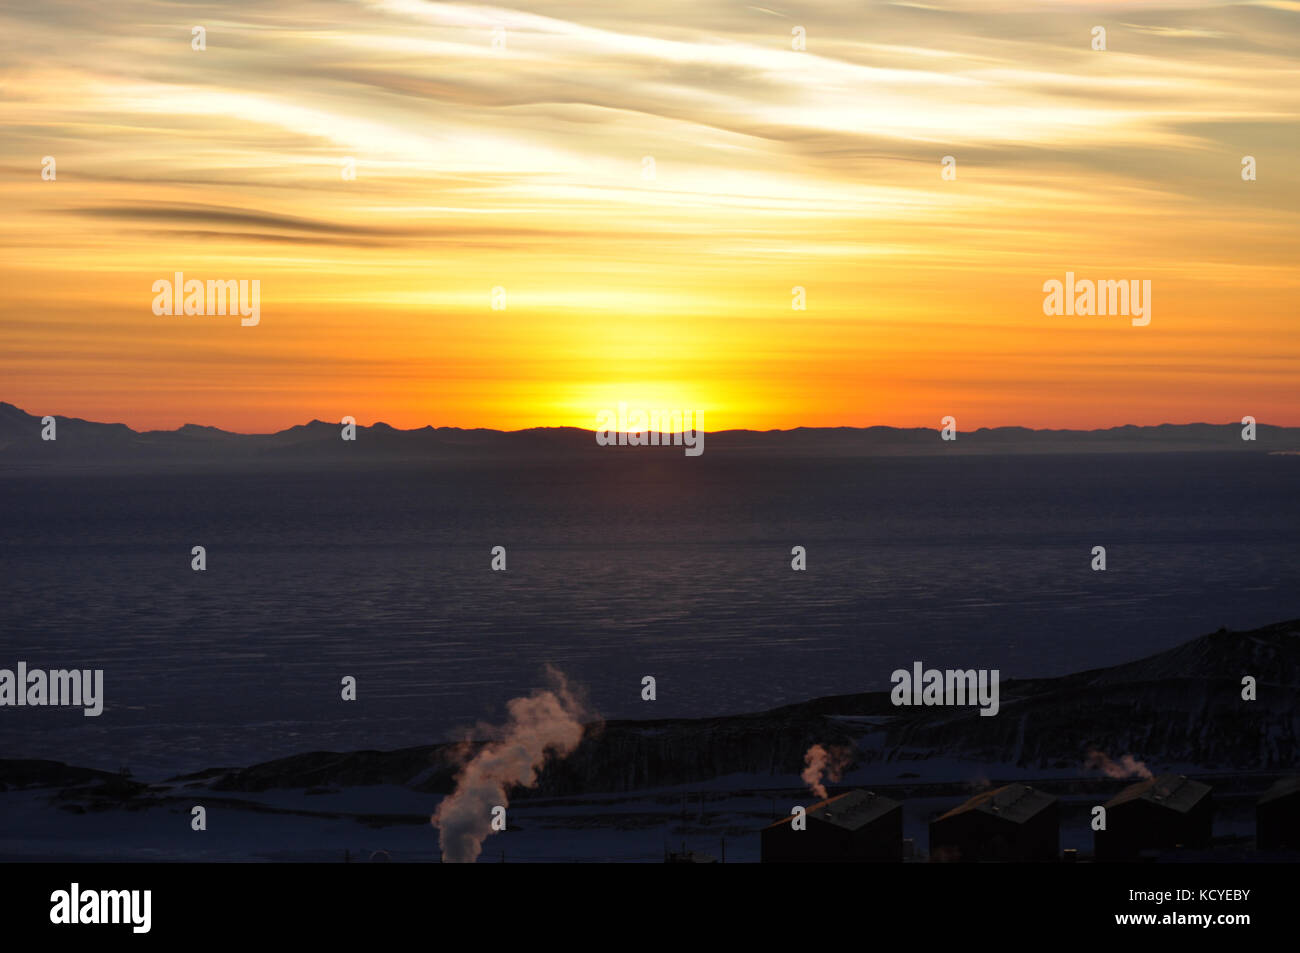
point(505, 146)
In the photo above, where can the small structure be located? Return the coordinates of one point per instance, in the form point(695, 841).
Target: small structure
point(1277, 816)
point(854, 827)
point(1010, 823)
point(1170, 810)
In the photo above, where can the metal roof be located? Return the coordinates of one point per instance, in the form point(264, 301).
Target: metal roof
point(1015, 802)
point(849, 811)
point(1287, 787)
point(1174, 791)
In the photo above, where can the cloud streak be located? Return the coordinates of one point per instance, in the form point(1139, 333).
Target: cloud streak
point(522, 167)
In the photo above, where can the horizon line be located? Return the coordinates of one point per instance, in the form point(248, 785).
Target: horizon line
point(769, 430)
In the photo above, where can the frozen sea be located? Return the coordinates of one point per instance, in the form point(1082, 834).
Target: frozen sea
point(643, 565)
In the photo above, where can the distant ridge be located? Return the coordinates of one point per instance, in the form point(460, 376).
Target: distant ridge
point(1180, 708)
point(82, 442)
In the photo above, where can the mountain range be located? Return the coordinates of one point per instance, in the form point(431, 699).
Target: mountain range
point(81, 442)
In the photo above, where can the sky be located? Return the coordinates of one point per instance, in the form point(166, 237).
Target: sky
point(645, 183)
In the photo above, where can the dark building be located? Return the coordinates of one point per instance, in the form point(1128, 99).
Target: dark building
point(853, 827)
point(1277, 816)
point(1161, 812)
point(1011, 823)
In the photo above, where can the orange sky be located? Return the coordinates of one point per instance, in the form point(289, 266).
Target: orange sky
point(523, 168)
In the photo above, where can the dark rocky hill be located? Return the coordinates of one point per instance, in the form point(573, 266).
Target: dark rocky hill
point(1179, 707)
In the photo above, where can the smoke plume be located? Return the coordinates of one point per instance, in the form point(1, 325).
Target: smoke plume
point(822, 762)
point(549, 722)
point(1127, 766)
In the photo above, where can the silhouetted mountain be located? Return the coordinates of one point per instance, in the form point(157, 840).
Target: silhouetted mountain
point(1183, 706)
point(1179, 707)
point(86, 443)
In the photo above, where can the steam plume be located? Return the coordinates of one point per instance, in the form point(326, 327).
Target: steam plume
point(546, 723)
point(1127, 767)
point(819, 762)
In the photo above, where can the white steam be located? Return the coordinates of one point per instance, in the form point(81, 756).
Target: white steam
point(544, 724)
point(820, 762)
point(1126, 767)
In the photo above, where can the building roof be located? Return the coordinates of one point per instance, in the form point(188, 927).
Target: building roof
point(1174, 791)
point(850, 811)
point(1014, 802)
point(1287, 787)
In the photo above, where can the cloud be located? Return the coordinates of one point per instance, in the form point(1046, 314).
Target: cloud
point(523, 166)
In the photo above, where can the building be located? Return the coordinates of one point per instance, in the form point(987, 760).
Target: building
point(854, 827)
point(1167, 811)
point(1277, 816)
point(1011, 823)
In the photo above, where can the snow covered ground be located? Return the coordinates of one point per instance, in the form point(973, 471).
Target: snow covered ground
point(388, 822)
